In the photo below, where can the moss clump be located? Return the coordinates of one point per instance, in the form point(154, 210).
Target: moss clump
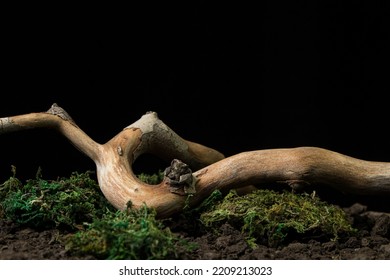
point(270, 218)
point(64, 203)
point(133, 234)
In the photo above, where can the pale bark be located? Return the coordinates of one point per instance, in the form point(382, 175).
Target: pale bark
point(203, 169)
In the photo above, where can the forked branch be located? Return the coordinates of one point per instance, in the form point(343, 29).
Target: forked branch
point(197, 170)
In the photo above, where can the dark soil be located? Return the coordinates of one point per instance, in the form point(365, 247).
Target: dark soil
point(372, 242)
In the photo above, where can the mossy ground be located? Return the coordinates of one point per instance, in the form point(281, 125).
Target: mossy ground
point(271, 218)
point(75, 204)
point(66, 203)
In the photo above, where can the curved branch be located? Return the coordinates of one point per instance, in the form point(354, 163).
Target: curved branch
point(296, 167)
point(55, 118)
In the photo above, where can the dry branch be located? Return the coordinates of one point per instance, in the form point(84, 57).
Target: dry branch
point(199, 170)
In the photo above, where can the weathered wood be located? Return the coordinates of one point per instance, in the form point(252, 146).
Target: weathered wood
point(203, 169)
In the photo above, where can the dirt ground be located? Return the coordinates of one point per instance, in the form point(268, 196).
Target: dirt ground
point(372, 242)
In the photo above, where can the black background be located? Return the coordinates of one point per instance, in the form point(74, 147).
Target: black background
point(231, 76)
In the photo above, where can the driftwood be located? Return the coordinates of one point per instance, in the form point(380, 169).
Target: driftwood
point(197, 170)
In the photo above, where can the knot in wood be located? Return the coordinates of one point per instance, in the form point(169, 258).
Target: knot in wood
point(58, 111)
point(180, 178)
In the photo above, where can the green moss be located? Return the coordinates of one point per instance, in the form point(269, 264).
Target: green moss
point(269, 217)
point(133, 234)
point(64, 203)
